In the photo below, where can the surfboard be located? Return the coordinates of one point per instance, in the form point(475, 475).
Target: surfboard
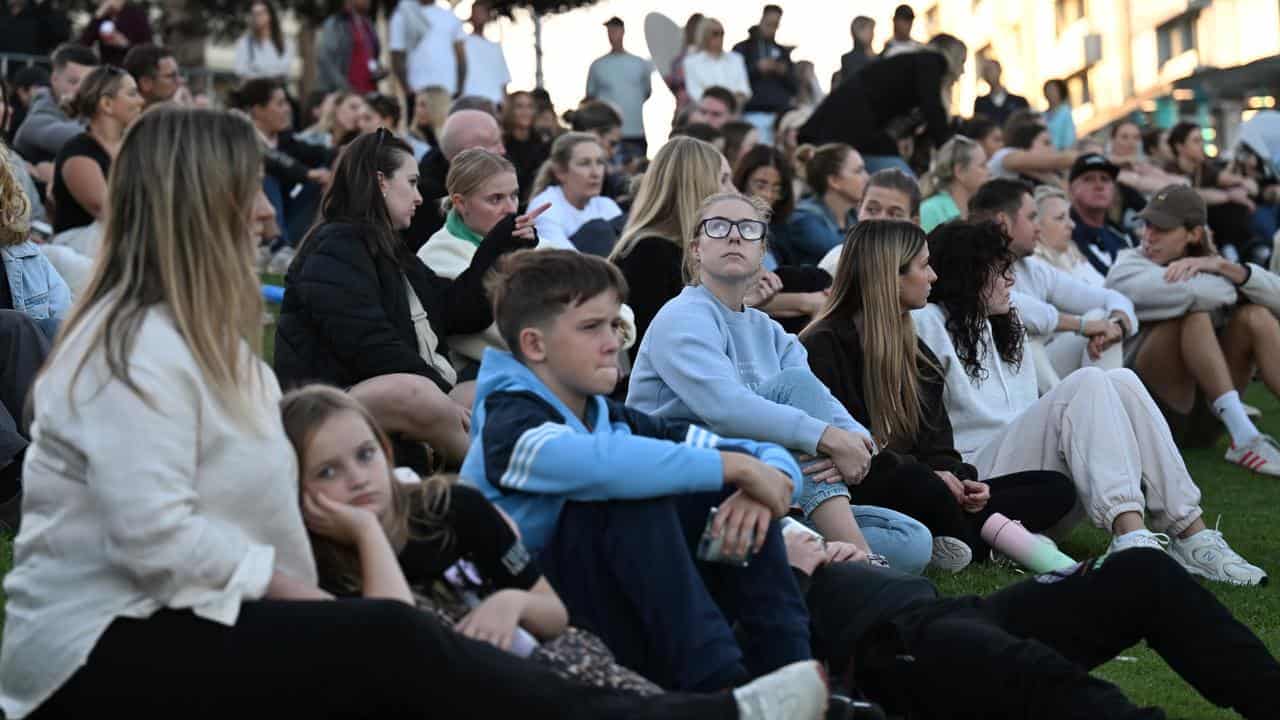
point(664, 38)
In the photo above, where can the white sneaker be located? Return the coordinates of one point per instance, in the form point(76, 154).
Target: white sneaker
point(1143, 538)
point(950, 554)
point(1261, 455)
point(1208, 555)
point(798, 690)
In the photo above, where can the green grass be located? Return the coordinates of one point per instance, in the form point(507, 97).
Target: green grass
point(1248, 505)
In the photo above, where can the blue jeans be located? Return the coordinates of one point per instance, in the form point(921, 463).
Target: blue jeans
point(905, 542)
point(875, 163)
point(763, 122)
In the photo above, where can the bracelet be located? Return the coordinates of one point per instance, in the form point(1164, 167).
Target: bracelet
point(1082, 321)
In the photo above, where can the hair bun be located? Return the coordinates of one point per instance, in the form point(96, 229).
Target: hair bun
point(805, 153)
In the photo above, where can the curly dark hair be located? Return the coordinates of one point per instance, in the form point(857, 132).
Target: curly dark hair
point(965, 256)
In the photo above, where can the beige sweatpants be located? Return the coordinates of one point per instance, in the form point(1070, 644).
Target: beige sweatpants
point(1062, 353)
point(1103, 430)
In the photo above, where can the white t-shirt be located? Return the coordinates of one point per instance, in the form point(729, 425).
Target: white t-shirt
point(996, 164)
point(261, 59)
point(487, 73)
point(562, 220)
point(431, 61)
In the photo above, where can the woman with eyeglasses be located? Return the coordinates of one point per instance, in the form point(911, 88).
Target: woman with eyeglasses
point(707, 358)
point(108, 99)
point(711, 65)
point(361, 311)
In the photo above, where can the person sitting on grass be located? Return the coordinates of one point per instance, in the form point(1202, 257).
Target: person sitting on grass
point(896, 639)
point(709, 358)
point(374, 534)
point(864, 348)
point(1208, 325)
point(558, 457)
point(1101, 427)
point(360, 311)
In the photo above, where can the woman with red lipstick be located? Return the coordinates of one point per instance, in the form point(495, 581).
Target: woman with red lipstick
point(1207, 325)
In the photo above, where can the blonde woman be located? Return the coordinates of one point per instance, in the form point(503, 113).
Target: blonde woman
point(650, 253)
point(571, 179)
point(30, 284)
point(959, 169)
point(713, 65)
point(163, 544)
point(108, 100)
point(888, 380)
point(710, 359)
point(340, 121)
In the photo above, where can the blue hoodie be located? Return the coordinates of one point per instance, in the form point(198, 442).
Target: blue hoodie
point(530, 454)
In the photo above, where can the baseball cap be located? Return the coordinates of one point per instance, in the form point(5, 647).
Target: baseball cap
point(904, 12)
point(1175, 206)
point(1090, 162)
point(615, 20)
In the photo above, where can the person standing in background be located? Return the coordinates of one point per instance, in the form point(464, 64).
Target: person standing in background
point(903, 18)
point(487, 73)
point(428, 47)
point(863, 30)
point(263, 51)
point(771, 72)
point(998, 104)
point(1062, 127)
point(348, 50)
point(32, 27)
point(116, 27)
point(712, 65)
point(623, 80)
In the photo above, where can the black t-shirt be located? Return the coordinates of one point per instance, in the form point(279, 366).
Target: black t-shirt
point(480, 536)
point(68, 213)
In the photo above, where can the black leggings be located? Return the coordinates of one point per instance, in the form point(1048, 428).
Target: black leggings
point(338, 659)
point(1036, 498)
point(1026, 651)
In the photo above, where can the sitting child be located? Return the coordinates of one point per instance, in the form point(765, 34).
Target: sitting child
point(375, 536)
point(558, 457)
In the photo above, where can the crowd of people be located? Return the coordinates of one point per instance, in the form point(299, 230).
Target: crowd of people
point(575, 427)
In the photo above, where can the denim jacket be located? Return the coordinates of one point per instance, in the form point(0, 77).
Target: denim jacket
point(813, 231)
point(38, 290)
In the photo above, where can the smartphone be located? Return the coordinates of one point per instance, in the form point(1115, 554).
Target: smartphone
point(711, 549)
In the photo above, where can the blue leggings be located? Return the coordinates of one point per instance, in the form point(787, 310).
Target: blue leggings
point(903, 541)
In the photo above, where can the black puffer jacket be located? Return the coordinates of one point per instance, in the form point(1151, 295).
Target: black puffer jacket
point(345, 316)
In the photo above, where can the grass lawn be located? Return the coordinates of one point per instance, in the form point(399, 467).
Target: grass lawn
point(1247, 504)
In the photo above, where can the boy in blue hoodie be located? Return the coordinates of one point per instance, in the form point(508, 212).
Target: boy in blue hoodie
point(613, 502)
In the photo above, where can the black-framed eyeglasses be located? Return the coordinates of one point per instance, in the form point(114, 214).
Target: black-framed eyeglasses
point(718, 228)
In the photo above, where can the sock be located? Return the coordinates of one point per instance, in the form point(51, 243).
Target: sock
point(1230, 409)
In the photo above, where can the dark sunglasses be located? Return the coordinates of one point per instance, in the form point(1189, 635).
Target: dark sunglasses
point(718, 228)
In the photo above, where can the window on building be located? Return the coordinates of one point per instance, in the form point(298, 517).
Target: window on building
point(1068, 11)
point(1175, 37)
point(1078, 89)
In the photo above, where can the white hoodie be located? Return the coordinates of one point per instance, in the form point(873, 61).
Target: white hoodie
point(978, 411)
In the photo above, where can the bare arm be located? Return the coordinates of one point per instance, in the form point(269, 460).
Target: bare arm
point(86, 183)
point(1033, 161)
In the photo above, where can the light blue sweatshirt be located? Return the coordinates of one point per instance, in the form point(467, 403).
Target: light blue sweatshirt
point(702, 362)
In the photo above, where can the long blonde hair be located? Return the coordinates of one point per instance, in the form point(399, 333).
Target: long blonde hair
point(692, 269)
point(177, 234)
point(684, 172)
point(561, 154)
point(876, 253)
point(303, 412)
point(15, 207)
point(954, 155)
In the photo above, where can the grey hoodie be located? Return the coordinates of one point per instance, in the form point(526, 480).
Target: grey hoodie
point(45, 130)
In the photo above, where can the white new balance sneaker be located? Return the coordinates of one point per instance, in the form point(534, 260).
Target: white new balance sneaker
point(950, 554)
point(1207, 555)
point(1261, 455)
point(798, 690)
point(1143, 538)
